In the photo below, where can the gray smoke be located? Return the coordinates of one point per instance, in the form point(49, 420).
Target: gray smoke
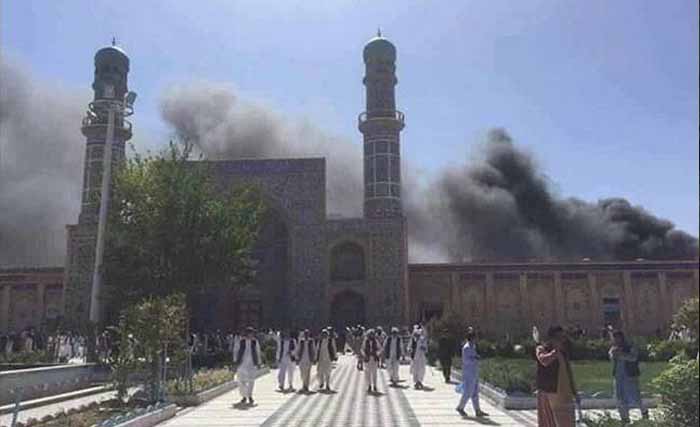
point(497, 207)
point(502, 207)
point(223, 126)
point(41, 153)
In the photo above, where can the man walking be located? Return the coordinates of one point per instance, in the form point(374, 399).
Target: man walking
point(286, 346)
point(470, 376)
point(371, 352)
point(305, 358)
point(325, 354)
point(419, 348)
point(447, 347)
point(248, 361)
point(393, 352)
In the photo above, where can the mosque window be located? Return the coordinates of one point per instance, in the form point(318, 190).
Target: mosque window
point(395, 190)
point(369, 148)
point(382, 147)
point(382, 168)
point(369, 167)
point(394, 147)
point(369, 190)
point(347, 262)
point(395, 169)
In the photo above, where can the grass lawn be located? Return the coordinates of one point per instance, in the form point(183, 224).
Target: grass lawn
point(594, 376)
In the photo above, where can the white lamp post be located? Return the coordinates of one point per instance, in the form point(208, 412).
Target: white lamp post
point(112, 107)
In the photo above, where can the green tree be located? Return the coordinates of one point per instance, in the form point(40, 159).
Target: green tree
point(171, 229)
point(148, 333)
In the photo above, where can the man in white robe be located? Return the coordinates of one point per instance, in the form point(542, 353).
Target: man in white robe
point(393, 352)
point(325, 355)
point(286, 347)
point(305, 358)
point(248, 361)
point(371, 353)
point(470, 376)
point(419, 348)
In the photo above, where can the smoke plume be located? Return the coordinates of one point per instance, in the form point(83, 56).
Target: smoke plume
point(494, 208)
point(41, 153)
point(502, 207)
point(499, 206)
point(223, 126)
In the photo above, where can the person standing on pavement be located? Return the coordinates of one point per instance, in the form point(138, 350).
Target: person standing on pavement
point(625, 359)
point(248, 361)
point(470, 376)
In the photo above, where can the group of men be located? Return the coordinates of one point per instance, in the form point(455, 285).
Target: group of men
point(373, 348)
point(303, 352)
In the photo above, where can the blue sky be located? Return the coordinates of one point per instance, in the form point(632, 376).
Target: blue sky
point(603, 93)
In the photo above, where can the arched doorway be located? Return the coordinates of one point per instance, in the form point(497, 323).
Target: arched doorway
point(347, 308)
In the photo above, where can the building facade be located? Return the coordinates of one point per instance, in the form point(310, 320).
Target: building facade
point(639, 296)
point(314, 270)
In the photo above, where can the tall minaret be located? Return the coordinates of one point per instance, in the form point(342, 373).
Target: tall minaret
point(380, 125)
point(110, 83)
point(111, 71)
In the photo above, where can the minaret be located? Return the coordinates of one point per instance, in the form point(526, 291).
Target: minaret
point(380, 125)
point(111, 71)
point(110, 88)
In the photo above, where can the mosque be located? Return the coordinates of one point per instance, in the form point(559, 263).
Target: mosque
point(315, 270)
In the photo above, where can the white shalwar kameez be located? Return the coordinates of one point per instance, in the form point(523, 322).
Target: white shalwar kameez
point(285, 347)
point(394, 356)
point(419, 360)
point(304, 356)
point(371, 351)
point(247, 369)
point(470, 377)
point(323, 369)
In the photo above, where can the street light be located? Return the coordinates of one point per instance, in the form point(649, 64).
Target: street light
point(112, 107)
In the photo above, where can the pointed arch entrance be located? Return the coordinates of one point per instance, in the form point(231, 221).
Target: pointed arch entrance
point(348, 308)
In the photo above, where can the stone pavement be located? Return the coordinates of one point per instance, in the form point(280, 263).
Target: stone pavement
point(348, 405)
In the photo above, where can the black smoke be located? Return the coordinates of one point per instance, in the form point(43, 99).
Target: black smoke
point(498, 207)
point(502, 207)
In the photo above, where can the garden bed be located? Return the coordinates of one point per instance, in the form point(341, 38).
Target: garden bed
point(510, 383)
point(206, 385)
point(593, 377)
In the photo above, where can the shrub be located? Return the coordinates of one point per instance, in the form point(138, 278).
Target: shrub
point(665, 350)
point(201, 380)
point(27, 358)
point(590, 349)
point(688, 316)
point(606, 420)
point(678, 386)
point(508, 376)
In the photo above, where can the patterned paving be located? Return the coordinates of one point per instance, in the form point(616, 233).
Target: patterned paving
point(348, 405)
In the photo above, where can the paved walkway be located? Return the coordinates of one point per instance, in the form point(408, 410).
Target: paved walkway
point(348, 405)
